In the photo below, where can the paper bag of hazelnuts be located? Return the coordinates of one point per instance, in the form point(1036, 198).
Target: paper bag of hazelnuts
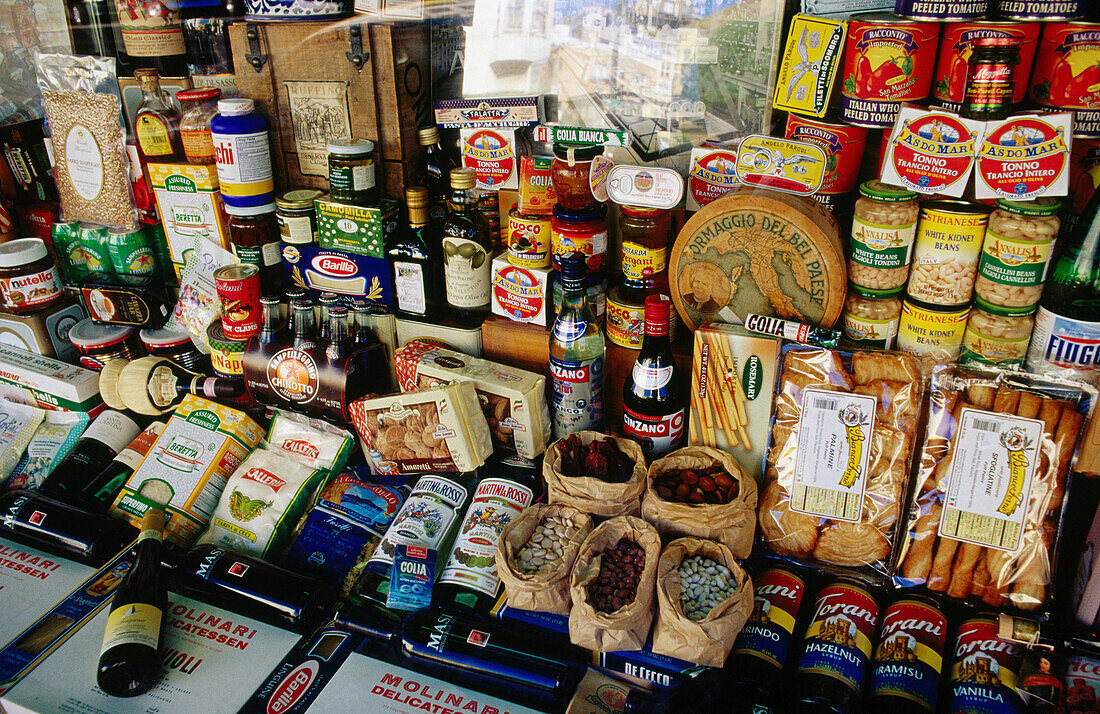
point(599, 474)
point(612, 586)
point(536, 553)
point(704, 492)
point(700, 613)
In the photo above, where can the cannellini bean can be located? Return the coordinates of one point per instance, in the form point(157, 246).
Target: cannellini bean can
point(945, 253)
point(1016, 254)
point(931, 335)
point(995, 339)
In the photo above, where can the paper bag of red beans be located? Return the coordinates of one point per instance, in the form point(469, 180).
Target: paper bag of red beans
point(599, 474)
point(536, 554)
point(703, 600)
point(702, 491)
point(612, 586)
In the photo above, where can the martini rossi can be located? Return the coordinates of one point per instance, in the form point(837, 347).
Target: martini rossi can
point(1041, 9)
point(1067, 74)
point(937, 10)
point(888, 60)
point(984, 670)
point(956, 46)
point(239, 289)
point(843, 146)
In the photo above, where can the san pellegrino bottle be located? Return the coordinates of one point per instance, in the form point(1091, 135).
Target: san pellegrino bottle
point(576, 356)
point(466, 252)
point(98, 445)
point(129, 662)
point(655, 393)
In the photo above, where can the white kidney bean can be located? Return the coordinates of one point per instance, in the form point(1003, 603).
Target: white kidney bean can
point(931, 335)
point(946, 252)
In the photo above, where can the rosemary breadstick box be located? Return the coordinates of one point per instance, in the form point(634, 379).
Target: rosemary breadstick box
point(733, 375)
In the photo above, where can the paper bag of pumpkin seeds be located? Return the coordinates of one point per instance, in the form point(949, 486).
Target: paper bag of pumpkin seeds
point(536, 553)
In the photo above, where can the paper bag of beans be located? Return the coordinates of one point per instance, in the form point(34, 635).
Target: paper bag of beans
point(536, 554)
point(612, 586)
point(599, 474)
point(702, 491)
point(703, 600)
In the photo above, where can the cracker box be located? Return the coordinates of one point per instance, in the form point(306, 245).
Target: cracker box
point(188, 467)
point(190, 207)
point(47, 383)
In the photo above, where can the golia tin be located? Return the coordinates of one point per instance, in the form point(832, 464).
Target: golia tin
point(887, 61)
point(1040, 9)
point(239, 289)
point(843, 145)
point(956, 46)
point(937, 10)
point(1067, 74)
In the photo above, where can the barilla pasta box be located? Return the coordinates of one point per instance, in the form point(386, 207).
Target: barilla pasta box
point(188, 467)
point(190, 207)
point(321, 270)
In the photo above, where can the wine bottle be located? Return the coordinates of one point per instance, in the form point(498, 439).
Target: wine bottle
point(155, 385)
point(102, 441)
point(100, 492)
point(655, 393)
point(129, 662)
point(40, 522)
point(416, 261)
point(467, 253)
point(433, 167)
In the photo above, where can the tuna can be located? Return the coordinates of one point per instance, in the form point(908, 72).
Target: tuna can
point(528, 240)
point(1067, 74)
point(994, 339)
point(956, 46)
point(99, 344)
point(1041, 9)
point(946, 251)
point(843, 146)
point(937, 10)
point(933, 336)
point(226, 354)
point(239, 289)
point(175, 345)
point(887, 61)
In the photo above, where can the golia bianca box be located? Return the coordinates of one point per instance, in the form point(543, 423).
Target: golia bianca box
point(520, 294)
point(321, 270)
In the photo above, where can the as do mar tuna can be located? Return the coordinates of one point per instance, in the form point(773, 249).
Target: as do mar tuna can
point(956, 46)
point(946, 252)
point(1041, 9)
point(887, 60)
point(932, 336)
point(1067, 73)
point(843, 145)
point(936, 10)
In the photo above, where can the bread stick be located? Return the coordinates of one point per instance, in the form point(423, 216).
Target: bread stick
point(940, 575)
point(981, 576)
point(962, 574)
point(918, 561)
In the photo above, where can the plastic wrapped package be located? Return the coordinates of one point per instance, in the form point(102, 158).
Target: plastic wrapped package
point(992, 478)
point(838, 463)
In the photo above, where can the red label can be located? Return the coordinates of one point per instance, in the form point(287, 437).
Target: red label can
point(843, 145)
point(909, 655)
point(239, 289)
point(1067, 73)
point(984, 671)
point(887, 60)
point(956, 46)
point(1084, 171)
point(1041, 9)
point(936, 10)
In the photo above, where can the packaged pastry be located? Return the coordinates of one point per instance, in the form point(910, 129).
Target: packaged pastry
point(430, 430)
point(992, 478)
point(599, 474)
point(838, 462)
point(513, 400)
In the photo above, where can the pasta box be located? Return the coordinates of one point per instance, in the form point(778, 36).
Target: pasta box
point(322, 270)
point(357, 229)
point(48, 383)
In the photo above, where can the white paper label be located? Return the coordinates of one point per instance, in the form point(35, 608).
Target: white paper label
point(408, 287)
point(991, 471)
point(84, 162)
point(834, 445)
point(114, 429)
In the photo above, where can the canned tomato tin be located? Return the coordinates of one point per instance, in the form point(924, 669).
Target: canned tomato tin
point(946, 251)
point(1041, 9)
point(226, 354)
point(239, 289)
point(984, 670)
point(936, 10)
point(99, 344)
point(887, 60)
point(1067, 73)
point(932, 336)
point(528, 240)
point(843, 145)
point(956, 46)
point(908, 658)
point(1084, 171)
point(584, 231)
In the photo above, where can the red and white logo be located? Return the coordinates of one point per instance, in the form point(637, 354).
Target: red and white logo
point(1022, 157)
point(300, 446)
point(37, 518)
point(335, 266)
point(238, 569)
point(293, 687)
point(477, 637)
point(265, 477)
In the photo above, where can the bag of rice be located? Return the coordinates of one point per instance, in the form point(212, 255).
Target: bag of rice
point(261, 504)
point(310, 442)
point(55, 438)
point(18, 422)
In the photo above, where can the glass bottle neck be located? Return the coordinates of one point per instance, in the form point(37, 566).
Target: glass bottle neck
point(574, 299)
point(463, 200)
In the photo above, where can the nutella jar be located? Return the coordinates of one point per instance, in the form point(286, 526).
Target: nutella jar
point(28, 277)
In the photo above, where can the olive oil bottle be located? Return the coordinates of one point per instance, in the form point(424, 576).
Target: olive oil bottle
point(466, 252)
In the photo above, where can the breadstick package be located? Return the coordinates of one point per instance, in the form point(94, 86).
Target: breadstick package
point(991, 482)
point(838, 461)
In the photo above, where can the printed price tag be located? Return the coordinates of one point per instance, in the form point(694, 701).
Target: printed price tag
point(991, 472)
point(834, 446)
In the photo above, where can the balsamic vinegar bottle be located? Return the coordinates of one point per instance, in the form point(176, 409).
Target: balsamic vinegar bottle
point(655, 393)
point(129, 663)
point(102, 441)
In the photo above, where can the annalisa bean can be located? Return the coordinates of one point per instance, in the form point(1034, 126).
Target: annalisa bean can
point(956, 46)
point(1067, 73)
point(843, 145)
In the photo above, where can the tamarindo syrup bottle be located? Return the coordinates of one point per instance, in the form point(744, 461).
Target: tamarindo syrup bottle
point(655, 393)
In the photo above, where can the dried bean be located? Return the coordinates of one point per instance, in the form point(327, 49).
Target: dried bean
point(704, 584)
point(616, 585)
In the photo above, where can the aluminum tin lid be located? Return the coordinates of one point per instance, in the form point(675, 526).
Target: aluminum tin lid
point(220, 342)
point(250, 210)
point(188, 95)
point(90, 336)
point(1043, 206)
point(241, 271)
point(299, 198)
point(165, 338)
point(591, 214)
point(19, 252)
point(580, 152)
point(642, 211)
point(235, 106)
point(1003, 311)
point(875, 294)
point(885, 192)
point(428, 135)
point(954, 205)
point(350, 147)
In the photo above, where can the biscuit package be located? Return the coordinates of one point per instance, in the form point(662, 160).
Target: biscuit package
point(838, 462)
point(991, 484)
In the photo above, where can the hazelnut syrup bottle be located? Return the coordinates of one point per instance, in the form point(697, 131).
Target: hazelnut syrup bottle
point(655, 393)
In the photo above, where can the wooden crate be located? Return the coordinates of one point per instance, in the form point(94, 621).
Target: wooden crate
point(316, 81)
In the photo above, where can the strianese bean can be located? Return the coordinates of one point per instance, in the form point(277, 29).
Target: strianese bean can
point(956, 46)
point(1067, 74)
point(887, 61)
point(932, 336)
point(945, 252)
point(984, 670)
point(239, 289)
point(843, 146)
point(1040, 9)
point(909, 655)
point(937, 10)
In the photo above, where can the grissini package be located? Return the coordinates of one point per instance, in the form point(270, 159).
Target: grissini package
point(991, 484)
point(590, 493)
point(838, 464)
point(706, 641)
point(547, 588)
point(625, 628)
point(715, 476)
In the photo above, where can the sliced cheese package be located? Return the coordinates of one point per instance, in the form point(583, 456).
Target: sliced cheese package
point(18, 422)
point(261, 504)
point(310, 442)
point(513, 400)
point(428, 431)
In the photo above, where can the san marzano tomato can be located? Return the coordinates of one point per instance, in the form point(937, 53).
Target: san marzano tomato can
point(239, 289)
point(1067, 73)
point(1041, 9)
point(956, 46)
point(936, 10)
point(887, 61)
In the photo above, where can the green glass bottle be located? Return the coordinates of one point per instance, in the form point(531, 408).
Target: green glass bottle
point(467, 250)
point(576, 356)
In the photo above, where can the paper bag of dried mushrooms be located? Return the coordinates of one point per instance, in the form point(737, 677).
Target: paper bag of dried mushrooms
point(703, 600)
point(536, 554)
point(612, 586)
point(599, 474)
point(702, 491)
point(992, 478)
point(838, 462)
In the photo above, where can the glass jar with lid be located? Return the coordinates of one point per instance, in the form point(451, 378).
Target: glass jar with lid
point(1015, 252)
point(644, 233)
point(254, 235)
point(871, 317)
point(996, 339)
point(296, 214)
point(570, 175)
point(584, 231)
point(200, 106)
point(351, 171)
point(883, 228)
